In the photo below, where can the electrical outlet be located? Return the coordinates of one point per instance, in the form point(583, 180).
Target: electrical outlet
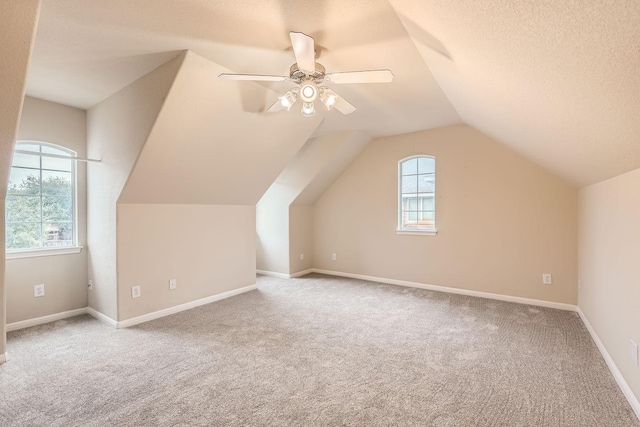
point(173, 283)
point(546, 279)
point(135, 292)
point(38, 290)
point(579, 285)
point(334, 256)
point(90, 284)
point(301, 257)
point(634, 352)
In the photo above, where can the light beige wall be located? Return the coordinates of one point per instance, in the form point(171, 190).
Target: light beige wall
point(318, 163)
point(502, 221)
point(64, 276)
point(272, 230)
point(609, 271)
point(209, 249)
point(300, 238)
point(18, 22)
point(116, 130)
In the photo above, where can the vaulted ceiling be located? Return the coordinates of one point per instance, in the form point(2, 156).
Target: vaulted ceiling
point(556, 81)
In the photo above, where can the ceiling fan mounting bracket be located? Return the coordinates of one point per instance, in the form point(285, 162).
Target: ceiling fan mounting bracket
point(297, 75)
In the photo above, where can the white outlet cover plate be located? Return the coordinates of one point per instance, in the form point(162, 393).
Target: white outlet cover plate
point(334, 257)
point(135, 292)
point(38, 291)
point(546, 279)
point(634, 352)
point(173, 283)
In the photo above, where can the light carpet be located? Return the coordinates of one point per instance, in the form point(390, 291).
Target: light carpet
point(317, 351)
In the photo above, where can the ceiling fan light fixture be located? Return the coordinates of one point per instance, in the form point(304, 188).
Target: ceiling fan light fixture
point(308, 91)
point(328, 97)
point(288, 99)
point(308, 109)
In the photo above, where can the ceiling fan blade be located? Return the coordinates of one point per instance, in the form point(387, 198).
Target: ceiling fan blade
point(253, 77)
point(304, 50)
point(372, 76)
point(344, 106)
point(276, 106)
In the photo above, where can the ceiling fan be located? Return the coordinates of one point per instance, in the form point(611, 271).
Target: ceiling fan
point(312, 78)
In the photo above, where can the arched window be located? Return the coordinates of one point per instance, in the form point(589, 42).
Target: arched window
point(41, 198)
point(417, 194)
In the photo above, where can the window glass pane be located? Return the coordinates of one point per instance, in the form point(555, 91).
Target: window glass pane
point(56, 164)
point(410, 167)
point(410, 203)
point(54, 150)
point(426, 203)
point(28, 147)
point(24, 181)
point(410, 184)
point(426, 165)
point(40, 202)
point(57, 234)
point(22, 208)
point(23, 235)
point(409, 220)
point(426, 183)
point(57, 208)
point(26, 160)
point(426, 219)
point(56, 183)
point(417, 191)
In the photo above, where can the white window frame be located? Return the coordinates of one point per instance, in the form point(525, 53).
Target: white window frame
point(412, 231)
point(60, 250)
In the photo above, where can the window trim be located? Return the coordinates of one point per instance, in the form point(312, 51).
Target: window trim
point(38, 252)
point(414, 232)
point(61, 250)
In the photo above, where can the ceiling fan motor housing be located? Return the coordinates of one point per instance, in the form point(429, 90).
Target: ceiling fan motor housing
point(296, 75)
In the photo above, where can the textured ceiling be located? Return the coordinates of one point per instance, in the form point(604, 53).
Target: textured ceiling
point(557, 81)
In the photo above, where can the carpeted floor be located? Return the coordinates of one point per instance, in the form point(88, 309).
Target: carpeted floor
point(316, 351)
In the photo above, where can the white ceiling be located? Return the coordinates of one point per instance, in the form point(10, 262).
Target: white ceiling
point(556, 81)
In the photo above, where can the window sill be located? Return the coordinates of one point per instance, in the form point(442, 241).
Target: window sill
point(32, 253)
point(431, 232)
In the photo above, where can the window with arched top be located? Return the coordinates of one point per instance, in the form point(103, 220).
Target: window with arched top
point(417, 194)
point(40, 208)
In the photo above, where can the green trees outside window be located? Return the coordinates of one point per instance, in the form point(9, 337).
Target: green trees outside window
point(40, 204)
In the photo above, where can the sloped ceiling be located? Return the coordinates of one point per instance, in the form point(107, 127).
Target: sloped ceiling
point(315, 167)
point(556, 81)
point(17, 29)
point(200, 153)
point(87, 50)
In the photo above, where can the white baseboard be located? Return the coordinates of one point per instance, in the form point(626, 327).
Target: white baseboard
point(626, 390)
point(102, 317)
point(500, 297)
point(182, 307)
point(3, 358)
point(302, 273)
point(285, 275)
point(45, 319)
point(125, 323)
point(274, 274)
